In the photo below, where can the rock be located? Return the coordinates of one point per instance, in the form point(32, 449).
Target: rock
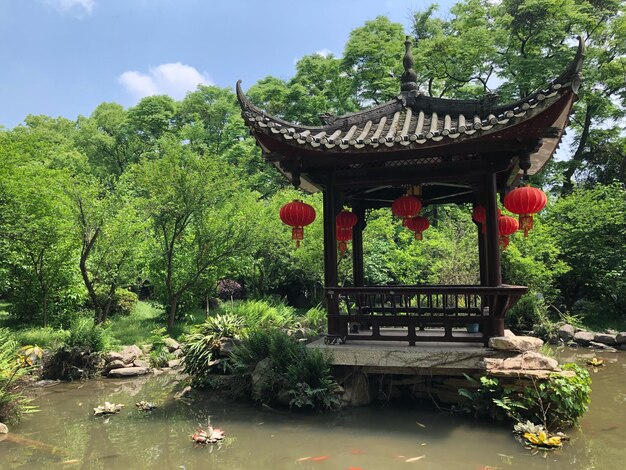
point(509, 334)
point(603, 338)
point(261, 378)
point(140, 363)
point(517, 343)
point(130, 353)
point(129, 372)
point(178, 353)
point(116, 364)
point(621, 338)
point(603, 347)
point(183, 393)
point(4, 429)
point(530, 360)
point(174, 363)
point(356, 390)
point(112, 356)
point(584, 337)
point(171, 344)
point(566, 332)
point(283, 397)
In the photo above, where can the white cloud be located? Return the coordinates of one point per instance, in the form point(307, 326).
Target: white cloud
point(323, 52)
point(77, 8)
point(174, 79)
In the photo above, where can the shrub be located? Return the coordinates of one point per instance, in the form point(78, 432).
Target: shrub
point(526, 313)
point(316, 320)
point(227, 289)
point(86, 336)
point(201, 347)
point(262, 313)
point(291, 370)
point(159, 353)
point(556, 403)
point(124, 302)
point(13, 405)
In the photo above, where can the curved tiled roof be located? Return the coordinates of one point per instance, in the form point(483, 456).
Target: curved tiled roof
point(412, 119)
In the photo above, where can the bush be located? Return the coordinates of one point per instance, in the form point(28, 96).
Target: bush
point(227, 289)
point(13, 405)
point(85, 335)
point(201, 347)
point(159, 353)
point(526, 313)
point(292, 371)
point(262, 313)
point(556, 403)
point(315, 320)
point(124, 302)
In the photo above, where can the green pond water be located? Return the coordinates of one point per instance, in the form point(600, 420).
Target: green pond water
point(64, 434)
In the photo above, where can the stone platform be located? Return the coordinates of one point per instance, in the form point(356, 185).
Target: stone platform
point(393, 357)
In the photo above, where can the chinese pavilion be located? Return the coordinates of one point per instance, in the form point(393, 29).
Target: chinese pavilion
point(443, 150)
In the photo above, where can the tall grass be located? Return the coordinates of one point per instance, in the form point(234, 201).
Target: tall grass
point(261, 313)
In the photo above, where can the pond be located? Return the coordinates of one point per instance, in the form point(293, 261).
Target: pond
point(64, 434)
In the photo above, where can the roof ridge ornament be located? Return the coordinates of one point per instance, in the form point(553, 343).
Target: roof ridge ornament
point(409, 77)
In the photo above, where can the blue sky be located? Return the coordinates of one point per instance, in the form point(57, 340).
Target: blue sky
point(64, 57)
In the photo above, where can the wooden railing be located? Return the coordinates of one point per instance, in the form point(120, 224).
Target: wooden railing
point(419, 313)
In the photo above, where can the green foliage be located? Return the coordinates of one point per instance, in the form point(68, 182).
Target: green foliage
point(291, 370)
point(591, 235)
point(47, 338)
point(261, 313)
point(85, 335)
point(13, 404)
point(556, 403)
point(159, 353)
point(316, 320)
point(202, 346)
point(125, 302)
point(528, 312)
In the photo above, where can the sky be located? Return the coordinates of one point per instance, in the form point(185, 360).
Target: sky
point(64, 57)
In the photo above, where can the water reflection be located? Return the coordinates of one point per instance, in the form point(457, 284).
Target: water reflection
point(66, 435)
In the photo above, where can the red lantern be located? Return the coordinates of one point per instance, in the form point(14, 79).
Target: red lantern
point(406, 207)
point(525, 201)
point(297, 214)
point(346, 220)
point(344, 235)
point(506, 226)
point(479, 214)
point(418, 225)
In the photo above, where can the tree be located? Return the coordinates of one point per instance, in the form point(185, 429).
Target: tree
point(112, 241)
point(198, 215)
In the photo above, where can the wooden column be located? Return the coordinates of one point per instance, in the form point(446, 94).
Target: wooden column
point(494, 277)
point(358, 273)
point(330, 255)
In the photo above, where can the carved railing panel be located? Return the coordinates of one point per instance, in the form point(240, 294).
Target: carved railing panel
point(415, 314)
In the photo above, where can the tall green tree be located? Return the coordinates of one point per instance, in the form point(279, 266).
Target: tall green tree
point(198, 215)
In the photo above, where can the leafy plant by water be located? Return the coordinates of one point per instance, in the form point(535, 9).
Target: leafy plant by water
point(556, 403)
point(13, 404)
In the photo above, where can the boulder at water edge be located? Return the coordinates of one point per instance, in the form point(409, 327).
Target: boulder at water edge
point(604, 338)
point(4, 429)
point(584, 337)
point(566, 332)
point(516, 343)
point(621, 338)
point(130, 353)
point(129, 372)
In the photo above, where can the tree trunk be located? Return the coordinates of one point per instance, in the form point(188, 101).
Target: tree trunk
point(44, 303)
point(104, 311)
point(85, 274)
point(171, 320)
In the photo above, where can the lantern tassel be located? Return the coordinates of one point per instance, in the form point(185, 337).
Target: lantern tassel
point(343, 246)
point(526, 223)
point(504, 241)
